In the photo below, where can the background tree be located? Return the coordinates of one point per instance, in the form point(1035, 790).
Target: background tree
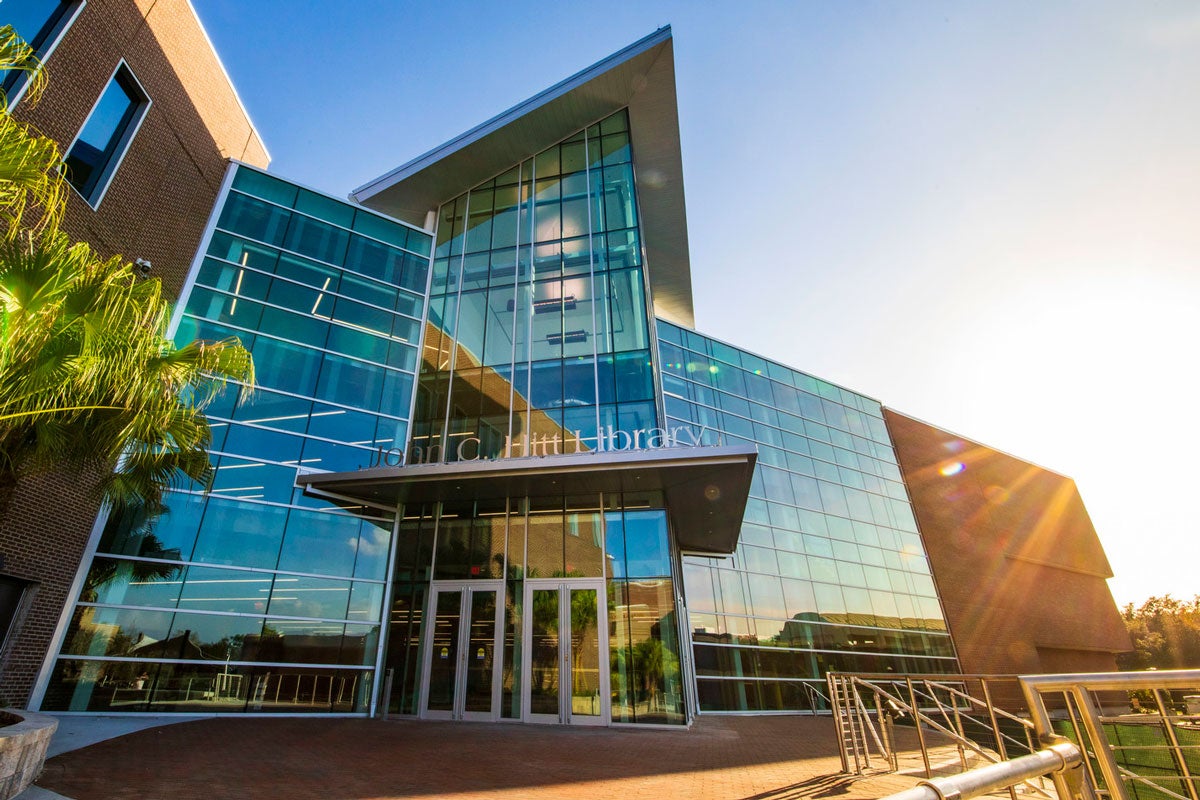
point(1165, 633)
point(88, 376)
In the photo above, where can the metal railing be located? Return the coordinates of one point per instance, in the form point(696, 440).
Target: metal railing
point(1111, 736)
point(1153, 754)
point(1063, 760)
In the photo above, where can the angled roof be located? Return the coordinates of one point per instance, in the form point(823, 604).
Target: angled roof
point(640, 77)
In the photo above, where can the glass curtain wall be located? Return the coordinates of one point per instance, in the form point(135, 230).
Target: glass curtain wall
point(247, 596)
point(537, 339)
point(830, 572)
point(621, 538)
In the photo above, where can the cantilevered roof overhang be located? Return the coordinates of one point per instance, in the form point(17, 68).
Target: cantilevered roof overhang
point(705, 487)
point(640, 77)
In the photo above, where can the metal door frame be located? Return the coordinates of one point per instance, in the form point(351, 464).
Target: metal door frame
point(564, 587)
point(467, 589)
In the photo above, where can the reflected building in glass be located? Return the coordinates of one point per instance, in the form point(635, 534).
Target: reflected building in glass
point(491, 471)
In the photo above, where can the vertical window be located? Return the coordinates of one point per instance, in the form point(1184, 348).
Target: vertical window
point(97, 151)
point(41, 23)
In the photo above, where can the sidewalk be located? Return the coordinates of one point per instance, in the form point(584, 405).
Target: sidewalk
point(751, 758)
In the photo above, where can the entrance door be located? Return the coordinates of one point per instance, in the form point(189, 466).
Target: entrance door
point(566, 650)
point(460, 679)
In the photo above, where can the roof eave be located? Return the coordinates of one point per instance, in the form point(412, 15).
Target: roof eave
point(640, 77)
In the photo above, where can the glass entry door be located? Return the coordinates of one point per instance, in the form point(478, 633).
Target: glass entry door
point(460, 677)
point(566, 650)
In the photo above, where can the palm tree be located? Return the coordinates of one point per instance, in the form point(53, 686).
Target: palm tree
point(31, 186)
point(88, 376)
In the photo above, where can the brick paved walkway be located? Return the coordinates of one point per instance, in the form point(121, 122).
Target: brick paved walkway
point(753, 758)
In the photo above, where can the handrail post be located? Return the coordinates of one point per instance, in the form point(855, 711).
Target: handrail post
point(839, 728)
point(1000, 748)
point(916, 714)
point(1100, 747)
point(1176, 753)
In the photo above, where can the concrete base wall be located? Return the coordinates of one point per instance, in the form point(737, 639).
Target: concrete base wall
point(23, 742)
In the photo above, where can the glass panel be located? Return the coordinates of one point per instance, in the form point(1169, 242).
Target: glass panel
point(481, 652)
point(444, 658)
point(116, 632)
point(544, 653)
point(310, 597)
point(585, 654)
point(132, 583)
point(510, 680)
point(235, 591)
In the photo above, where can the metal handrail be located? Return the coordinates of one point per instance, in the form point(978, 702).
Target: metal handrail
point(1088, 722)
point(1063, 760)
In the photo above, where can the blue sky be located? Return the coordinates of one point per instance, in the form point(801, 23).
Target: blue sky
point(986, 215)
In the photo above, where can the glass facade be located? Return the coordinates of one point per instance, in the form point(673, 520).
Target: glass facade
point(538, 337)
point(830, 572)
point(529, 551)
point(247, 596)
point(521, 328)
point(538, 344)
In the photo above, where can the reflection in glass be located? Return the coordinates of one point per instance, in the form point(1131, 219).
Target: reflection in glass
point(481, 652)
point(585, 654)
point(544, 650)
point(132, 583)
point(443, 666)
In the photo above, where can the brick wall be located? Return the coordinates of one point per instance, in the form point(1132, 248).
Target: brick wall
point(1018, 565)
point(155, 208)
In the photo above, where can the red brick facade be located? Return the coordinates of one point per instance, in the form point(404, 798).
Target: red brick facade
point(1020, 571)
point(156, 208)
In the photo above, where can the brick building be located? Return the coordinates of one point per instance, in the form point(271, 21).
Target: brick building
point(163, 173)
point(1020, 570)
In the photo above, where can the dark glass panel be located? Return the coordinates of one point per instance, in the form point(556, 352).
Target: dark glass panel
point(319, 543)
point(301, 641)
point(256, 183)
point(116, 632)
point(646, 548)
point(350, 382)
point(544, 649)
point(511, 667)
point(366, 601)
point(373, 542)
point(254, 219)
point(168, 536)
point(245, 535)
point(544, 548)
point(317, 240)
point(285, 366)
point(235, 591)
point(211, 637)
point(244, 253)
point(360, 645)
point(628, 311)
point(325, 208)
point(297, 596)
point(234, 279)
point(132, 583)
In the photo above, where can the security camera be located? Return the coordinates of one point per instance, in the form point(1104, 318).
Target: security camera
point(143, 267)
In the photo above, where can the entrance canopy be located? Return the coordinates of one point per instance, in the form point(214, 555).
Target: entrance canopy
point(705, 487)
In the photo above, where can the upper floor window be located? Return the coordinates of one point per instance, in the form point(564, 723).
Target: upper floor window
point(106, 135)
point(41, 23)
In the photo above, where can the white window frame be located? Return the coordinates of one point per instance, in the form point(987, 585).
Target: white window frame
point(109, 170)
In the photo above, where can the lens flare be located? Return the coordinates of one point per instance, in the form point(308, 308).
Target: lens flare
point(952, 468)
